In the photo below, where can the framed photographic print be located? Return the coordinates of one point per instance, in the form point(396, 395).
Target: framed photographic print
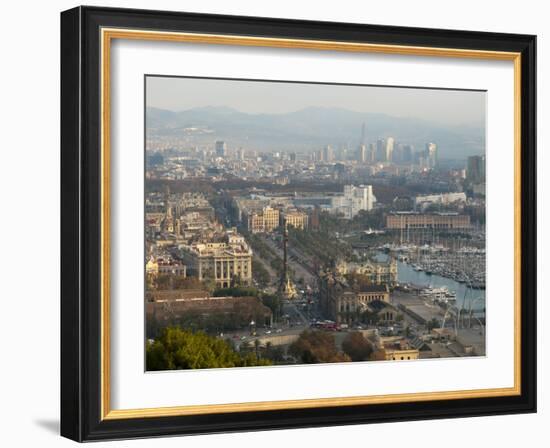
point(276, 224)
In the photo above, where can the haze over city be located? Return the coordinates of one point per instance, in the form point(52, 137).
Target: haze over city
point(267, 116)
point(295, 224)
point(450, 107)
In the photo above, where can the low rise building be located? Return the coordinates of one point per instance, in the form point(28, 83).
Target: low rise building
point(342, 304)
point(422, 202)
point(160, 265)
point(395, 355)
point(263, 221)
point(435, 221)
point(394, 348)
point(295, 218)
point(187, 308)
point(377, 273)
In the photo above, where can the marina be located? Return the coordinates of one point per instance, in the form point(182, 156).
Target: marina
point(464, 265)
point(464, 294)
point(443, 289)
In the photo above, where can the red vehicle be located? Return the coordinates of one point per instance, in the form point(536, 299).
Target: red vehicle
point(327, 325)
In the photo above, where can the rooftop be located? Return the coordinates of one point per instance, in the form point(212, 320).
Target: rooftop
point(374, 288)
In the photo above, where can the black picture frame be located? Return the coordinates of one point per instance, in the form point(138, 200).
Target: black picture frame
point(81, 224)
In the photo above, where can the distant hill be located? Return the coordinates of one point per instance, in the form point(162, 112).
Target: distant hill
point(309, 128)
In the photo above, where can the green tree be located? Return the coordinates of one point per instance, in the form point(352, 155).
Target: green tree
point(260, 273)
point(357, 347)
point(273, 302)
point(163, 281)
point(178, 349)
point(274, 353)
point(313, 347)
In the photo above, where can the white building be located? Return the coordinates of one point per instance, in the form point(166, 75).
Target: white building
point(431, 154)
point(389, 149)
point(353, 201)
point(423, 202)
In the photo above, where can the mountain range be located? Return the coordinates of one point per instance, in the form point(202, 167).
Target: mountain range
point(309, 128)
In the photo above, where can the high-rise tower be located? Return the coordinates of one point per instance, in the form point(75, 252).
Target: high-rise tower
point(389, 149)
point(362, 153)
point(431, 154)
point(221, 148)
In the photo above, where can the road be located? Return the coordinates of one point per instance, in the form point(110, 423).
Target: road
point(294, 262)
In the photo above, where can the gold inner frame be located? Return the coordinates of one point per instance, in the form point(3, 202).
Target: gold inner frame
point(107, 35)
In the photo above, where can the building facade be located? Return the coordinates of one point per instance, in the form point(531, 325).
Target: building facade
point(343, 305)
point(395, 355)
point(421, 202)
point(475, 170)
point(431, 155)
point(376, 273)
point(389, 149)
point(354, 200)
point(435, 221)
point(295, 218)
point(263, 221)
point(224, 262)
point(221, 148)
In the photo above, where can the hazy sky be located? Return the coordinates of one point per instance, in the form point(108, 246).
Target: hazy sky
point(452, 107)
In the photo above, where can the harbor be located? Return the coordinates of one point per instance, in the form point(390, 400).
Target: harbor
point(440, 288)
point(463, 265)
point(464, 294)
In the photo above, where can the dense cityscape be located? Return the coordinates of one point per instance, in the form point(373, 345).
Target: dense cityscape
point(368, 252)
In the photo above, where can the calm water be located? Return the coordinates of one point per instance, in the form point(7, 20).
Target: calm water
point(406, 274)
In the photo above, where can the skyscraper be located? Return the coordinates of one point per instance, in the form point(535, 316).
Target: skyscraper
point(371, 153)
point(431, 155)
point(397, 156)
point(343, 153)
point(221, 148)
point(362, 153)
point(475, 170)
point(328, 154)
point(407, 154)
point(318, 155)
point(389, 149)
point(380, 155)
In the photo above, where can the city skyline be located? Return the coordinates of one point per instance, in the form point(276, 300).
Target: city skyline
point(316, 236)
